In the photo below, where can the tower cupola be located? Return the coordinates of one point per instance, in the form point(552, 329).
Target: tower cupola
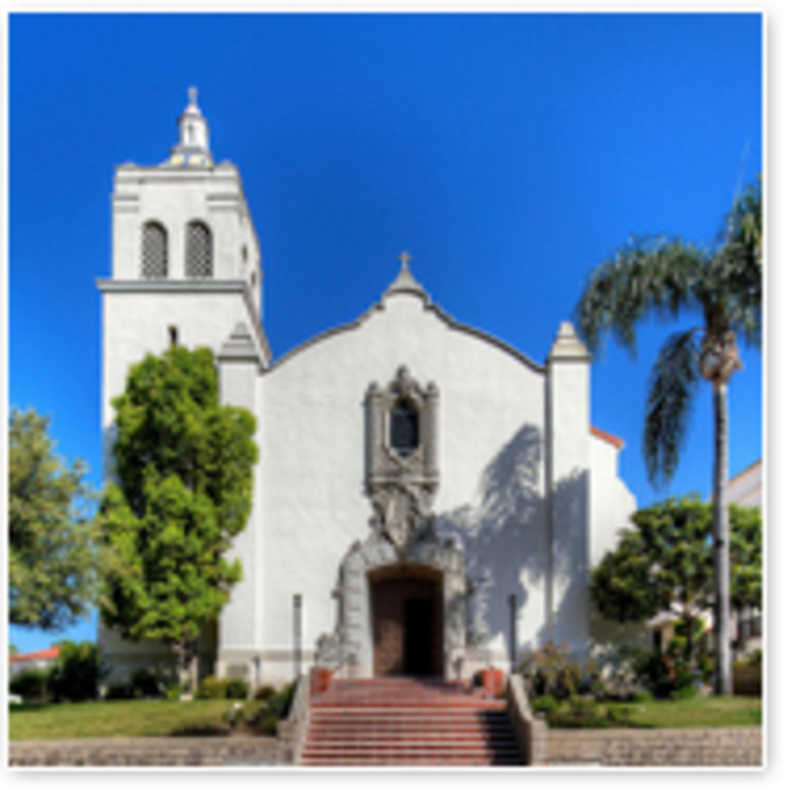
point(192, 149)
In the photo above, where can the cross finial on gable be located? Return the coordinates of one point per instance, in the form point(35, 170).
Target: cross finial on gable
point(404, 258)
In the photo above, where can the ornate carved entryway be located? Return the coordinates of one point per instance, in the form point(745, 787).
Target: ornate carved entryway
point(402, 592)
point(406, 604)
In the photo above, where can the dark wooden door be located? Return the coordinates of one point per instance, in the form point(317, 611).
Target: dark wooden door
point(407, 626)
point(418, 644)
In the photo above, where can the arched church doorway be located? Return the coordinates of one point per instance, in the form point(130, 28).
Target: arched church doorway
point(406, 602)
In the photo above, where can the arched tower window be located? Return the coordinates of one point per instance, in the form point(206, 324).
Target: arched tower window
point(154, 250)
point(404, 428)
point(199, 259)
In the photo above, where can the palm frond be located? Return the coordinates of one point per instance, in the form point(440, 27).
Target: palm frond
point(730, 291)
point(673, 379)
point(645, 275)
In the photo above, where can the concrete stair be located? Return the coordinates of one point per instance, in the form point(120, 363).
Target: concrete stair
point(407, 722)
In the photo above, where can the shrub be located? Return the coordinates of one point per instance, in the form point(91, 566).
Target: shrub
point(665, 673)
point(119, 691)
point(684, 693)
point(237, 689)
point(201, 729)
point(544, 704)
point(211, 688)
point(146, 683)
point(173, 691)
point(31, 685)
point(619, 681)
point(264, 721)
point(553, 672)
point(265, 692)
point(77, 672)
point(583, 712)
point(746, 679)
point(281, 702)
point(754, 659)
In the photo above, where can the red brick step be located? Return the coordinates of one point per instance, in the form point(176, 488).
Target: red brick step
point(408, 722)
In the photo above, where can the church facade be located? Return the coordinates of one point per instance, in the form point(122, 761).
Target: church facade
point(427, 500)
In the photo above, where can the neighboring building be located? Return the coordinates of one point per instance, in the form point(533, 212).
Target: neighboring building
point(744, 488)
point(414, 472)
point(41, 659)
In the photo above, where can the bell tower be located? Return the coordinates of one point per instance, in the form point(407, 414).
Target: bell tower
point(186, 262)
point(186, 270)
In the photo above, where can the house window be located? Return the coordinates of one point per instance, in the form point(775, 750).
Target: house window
point(404, 428)
point(173, 335)
point(199, 262)
point(154, 250)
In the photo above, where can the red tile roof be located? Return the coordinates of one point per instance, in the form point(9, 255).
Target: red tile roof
point(607, 437)
point(39, 655)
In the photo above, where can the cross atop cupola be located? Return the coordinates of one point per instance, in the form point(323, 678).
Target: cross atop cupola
point(192, 149)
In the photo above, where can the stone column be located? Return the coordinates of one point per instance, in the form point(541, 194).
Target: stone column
point(430, 432)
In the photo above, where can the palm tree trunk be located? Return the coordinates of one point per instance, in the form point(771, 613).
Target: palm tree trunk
point(723, 679)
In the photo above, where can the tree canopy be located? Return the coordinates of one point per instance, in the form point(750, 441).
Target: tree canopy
point(183, 469)
point(664, 276)
point(665, 562)
point(51, 532)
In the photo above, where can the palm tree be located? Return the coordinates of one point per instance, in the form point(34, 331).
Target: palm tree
point(667, 276)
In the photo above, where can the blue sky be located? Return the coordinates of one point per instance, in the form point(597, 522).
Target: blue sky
point(510, 154)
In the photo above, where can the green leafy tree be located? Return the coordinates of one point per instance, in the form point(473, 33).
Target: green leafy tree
point(665, 563)
point(51, 533)
point(667, 276)
point(183, 465)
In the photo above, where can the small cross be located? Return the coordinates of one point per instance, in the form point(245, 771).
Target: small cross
point(193, 95)
point(404, 258)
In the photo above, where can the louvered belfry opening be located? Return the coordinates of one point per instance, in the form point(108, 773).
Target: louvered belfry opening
point(154, 251)
point(199, 262)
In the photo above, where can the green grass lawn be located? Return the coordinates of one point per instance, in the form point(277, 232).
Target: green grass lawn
point(695, 712)
point(113, 718)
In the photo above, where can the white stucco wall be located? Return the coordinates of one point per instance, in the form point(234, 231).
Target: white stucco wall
point(612, 503)
point(315, 505)
point(136, 322)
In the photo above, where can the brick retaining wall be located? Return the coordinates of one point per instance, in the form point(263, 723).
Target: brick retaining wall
point(170, 751)
point(673, 747)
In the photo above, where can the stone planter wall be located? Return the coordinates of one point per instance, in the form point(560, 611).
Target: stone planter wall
point(667, 747)
point(212, 751)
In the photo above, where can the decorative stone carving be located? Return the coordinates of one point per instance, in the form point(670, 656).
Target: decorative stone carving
point(402, 480)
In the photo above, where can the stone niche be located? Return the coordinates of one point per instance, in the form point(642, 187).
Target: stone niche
point(401, 480)
point(402, 474)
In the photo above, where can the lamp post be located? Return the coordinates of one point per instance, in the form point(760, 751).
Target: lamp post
point(257, 665)
point(297, 603)
point(512, 611)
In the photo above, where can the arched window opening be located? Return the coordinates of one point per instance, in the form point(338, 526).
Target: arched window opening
point(199, 262)
point(404, 428)
point(154, 250)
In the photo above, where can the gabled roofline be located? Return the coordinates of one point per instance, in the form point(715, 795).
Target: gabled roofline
point(428, 306)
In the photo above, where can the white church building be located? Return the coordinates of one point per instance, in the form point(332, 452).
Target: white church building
point(427, 500)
